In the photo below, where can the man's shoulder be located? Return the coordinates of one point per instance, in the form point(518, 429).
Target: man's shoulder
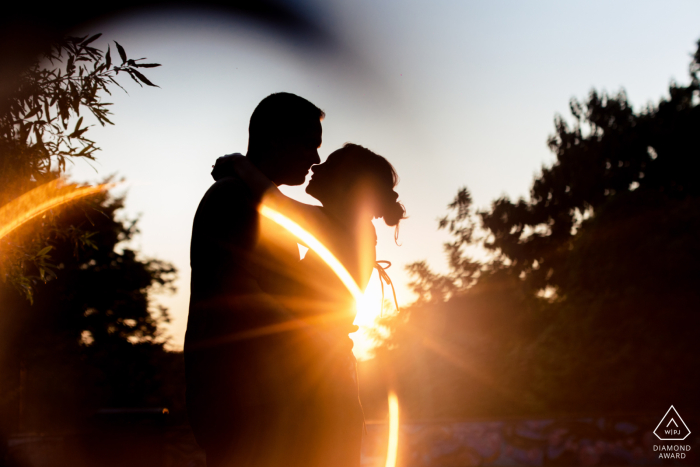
point(230, 185)
point(226, 201)
point(229, 191)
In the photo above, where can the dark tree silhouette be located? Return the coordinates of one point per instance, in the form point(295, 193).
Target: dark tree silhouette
point(91, 338)
point(41, 129)
point(610, 231)
point(610, 151)
point(590, 302)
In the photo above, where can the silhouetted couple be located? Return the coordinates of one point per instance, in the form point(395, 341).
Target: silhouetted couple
point(271, 378)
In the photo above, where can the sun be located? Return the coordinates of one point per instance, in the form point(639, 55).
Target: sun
point(369, 304)
point(368, 313)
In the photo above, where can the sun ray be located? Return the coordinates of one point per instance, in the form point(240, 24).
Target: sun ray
point(393, 448)
point(314, 244)
point(39, 200)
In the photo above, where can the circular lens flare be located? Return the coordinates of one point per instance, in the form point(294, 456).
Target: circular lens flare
point(39, 200)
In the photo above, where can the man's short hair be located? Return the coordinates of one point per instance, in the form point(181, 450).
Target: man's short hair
point(282, 117)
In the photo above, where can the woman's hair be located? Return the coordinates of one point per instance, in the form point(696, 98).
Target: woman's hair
point(371, 166)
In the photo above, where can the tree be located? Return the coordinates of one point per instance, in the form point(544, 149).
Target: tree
point(91, 339)
point(589, 303)
point(609, 233)
point(462, 226)
point(39, 133)
point(610, 151)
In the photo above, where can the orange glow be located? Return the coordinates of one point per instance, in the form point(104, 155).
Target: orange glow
point(367, 303)
point(299, 220)
point(39, 200)
point(315, 245)
point(393, 448)
point(368, 313)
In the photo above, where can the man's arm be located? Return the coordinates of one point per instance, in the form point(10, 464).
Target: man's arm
point(227, 302)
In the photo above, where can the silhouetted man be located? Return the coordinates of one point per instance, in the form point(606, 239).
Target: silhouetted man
point(242, 388)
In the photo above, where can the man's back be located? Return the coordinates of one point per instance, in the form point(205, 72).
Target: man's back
point(244, 353)
point(244, 368)
point(224, 227)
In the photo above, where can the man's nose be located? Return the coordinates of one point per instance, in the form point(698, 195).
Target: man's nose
point(316, 159)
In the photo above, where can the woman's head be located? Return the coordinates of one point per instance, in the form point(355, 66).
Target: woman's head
point(353, 178)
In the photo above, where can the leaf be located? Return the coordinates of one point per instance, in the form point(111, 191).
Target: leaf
point(147, 65)
point(75, 97)
point(44, 250)
point(121, 51)
point(133, 77)
point(108, 58)
point(91, 39)
point(77, 132)
point(33, 112)
point(144, 79)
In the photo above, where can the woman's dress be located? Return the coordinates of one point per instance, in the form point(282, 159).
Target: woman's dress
point(333, 413)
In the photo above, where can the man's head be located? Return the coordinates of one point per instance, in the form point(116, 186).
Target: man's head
point(284, 137)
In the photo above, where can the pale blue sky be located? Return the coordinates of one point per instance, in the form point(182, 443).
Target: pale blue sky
point(453, 93)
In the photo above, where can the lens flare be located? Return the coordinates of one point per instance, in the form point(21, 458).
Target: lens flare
point(39, 200)
point(393, 448)
point(315, 245)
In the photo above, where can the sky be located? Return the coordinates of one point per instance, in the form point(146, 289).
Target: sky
point(453, 93)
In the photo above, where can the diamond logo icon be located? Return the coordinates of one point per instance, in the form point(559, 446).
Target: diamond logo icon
point(672, 427)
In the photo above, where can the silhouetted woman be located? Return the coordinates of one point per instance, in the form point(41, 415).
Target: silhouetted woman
point(324, 419)
point(355, 186)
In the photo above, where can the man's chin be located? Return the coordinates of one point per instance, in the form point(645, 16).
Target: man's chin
point(294, 180)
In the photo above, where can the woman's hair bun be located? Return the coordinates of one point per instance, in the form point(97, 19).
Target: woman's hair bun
point(385, 179)
point(393, 211)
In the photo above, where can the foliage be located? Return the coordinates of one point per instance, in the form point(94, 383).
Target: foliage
point(610, 150)
point(462, 357)
point(39, 132)
point(590, 301)
point(91, 339)
point(462, 226)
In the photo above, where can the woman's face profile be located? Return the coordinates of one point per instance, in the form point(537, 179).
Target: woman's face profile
point(326, 182)
point(342, 184)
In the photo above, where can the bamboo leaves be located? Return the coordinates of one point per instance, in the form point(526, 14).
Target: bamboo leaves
point(41, 129)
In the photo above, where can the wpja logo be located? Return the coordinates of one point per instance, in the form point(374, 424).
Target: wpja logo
point(672, 428)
